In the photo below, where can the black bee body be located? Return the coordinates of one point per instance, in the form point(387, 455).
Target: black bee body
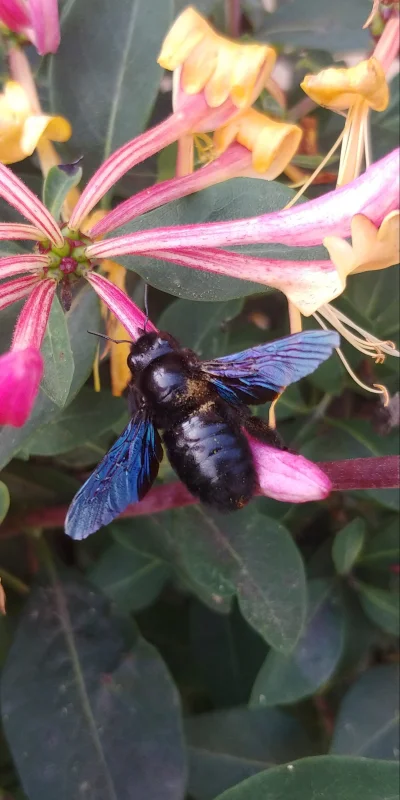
point(201, 432)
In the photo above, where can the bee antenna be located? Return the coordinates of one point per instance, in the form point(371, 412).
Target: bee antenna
point(146, 305)
point(116, 341)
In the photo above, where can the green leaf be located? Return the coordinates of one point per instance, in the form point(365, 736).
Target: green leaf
point(4, 501)
point(312, 23)
point(130, 579)
point(218, 555)
point(96, 713)
point(84, 313)
point(109, 52)
point(230, 200)
point(57, 184)
point(42, 485)
point(327, 777)
point(372, 300)
point(226, 747)
point(200, 325)
point(368, 719)
point(287, 679)
point(382, 550)
point(347, 545)
point(228, 653)
point(257, 556)
point(381, 607)
point(58, 357)
point(89, 415)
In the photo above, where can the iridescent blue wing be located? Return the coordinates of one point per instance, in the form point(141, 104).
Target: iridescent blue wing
point(124, 476)
point(260, 373)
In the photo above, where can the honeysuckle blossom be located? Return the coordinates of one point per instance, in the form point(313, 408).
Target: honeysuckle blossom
point(34, 20)
point(360, 207)
point(214, 80)
point(252, 145)
point(21, 129)
point(357, 89)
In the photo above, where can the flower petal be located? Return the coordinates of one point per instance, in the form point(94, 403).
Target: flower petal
point(286, 476)
point(375, 194)
point(129, 155)
point(20, 375)
point(230, 164)
point(46, 26)
point(14, 15)
point(14, 265)
point(32, 321)
point(126, 311)
point(57, 129)
point(16, 230)
point(14, 191)
point(11, 291)
point(339, 88)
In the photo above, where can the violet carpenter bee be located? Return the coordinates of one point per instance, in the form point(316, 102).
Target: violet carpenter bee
point(201, 409)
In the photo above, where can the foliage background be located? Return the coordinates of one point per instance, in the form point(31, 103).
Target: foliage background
point(176, 655)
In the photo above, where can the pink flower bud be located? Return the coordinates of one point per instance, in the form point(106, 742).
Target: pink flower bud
point(20, 375)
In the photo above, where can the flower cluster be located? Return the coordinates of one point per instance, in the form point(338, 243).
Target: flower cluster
point(215, 82)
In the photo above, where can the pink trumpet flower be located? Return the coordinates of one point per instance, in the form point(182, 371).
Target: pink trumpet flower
point(374, 194)
point(21, 369)
point(36, 20)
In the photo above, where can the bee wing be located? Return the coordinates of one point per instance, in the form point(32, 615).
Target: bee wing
point(124, 476)
point(260, 373)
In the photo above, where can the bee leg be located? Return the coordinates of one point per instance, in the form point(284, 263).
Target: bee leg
point(258, 428)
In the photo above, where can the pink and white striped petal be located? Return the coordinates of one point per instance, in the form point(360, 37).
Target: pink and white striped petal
point(45, 24)
point(126, 311)
point(15, 290)
point(14, 191)
point(286, 476)
point(233, 162)
point(375, 194)
point(14, 265)
point(133, 153)
point(32, 321)
point(16, 230)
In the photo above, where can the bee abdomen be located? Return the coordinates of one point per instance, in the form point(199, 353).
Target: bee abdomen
point(212, 458)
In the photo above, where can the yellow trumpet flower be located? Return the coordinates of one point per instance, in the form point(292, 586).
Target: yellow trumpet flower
point(358, 89)
point(372, 248)
point(209, 62)
point(21, 129)
point(271, 142)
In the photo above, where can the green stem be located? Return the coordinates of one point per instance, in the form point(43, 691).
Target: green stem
point(13, 582)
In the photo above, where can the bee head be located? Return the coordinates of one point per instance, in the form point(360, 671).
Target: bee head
point(148, 347)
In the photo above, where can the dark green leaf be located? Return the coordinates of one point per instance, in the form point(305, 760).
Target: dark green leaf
point(39, 486)
point(4, 501)
point(200, 325)
point(96, 712)
point(258, 558)
point(368, 719)
point(327, 777)
point(230, 200)
point(372, 298)
point(109, 53)
point(130, 579)
point(228, 653)
point(226, 747)
point(287, 679)
point(382, 550)
point(347, 545)
point(312, 23)
point(58, 357)
point(56, 186)
point(89, 415)
point(381, 607)
point(84, 314)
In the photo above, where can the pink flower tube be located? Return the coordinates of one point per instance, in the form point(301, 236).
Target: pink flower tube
point(375, 194)
point(36, 19)
point(21, 368)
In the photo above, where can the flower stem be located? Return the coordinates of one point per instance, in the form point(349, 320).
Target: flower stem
point(233, 16)
point(13, 582)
